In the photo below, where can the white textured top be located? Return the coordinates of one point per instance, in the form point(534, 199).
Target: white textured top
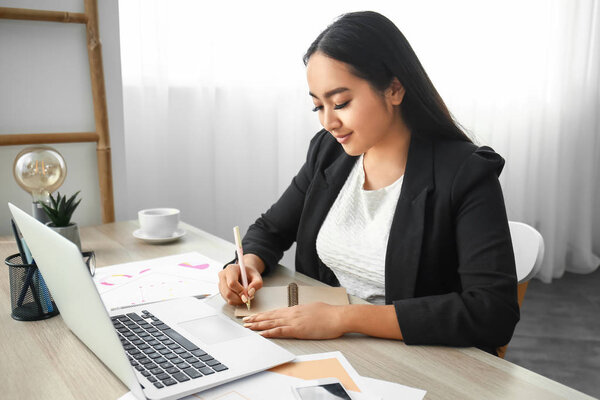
point(353, 238)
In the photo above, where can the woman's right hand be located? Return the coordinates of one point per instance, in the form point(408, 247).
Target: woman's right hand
point(230, 280)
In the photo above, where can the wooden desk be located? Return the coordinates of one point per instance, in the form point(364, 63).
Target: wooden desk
point(44, 360)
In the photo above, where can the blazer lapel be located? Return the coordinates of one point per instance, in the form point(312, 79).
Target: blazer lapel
point(326, 186)
point(406, 233)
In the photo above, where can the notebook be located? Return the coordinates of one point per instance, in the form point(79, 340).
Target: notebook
point(164, 350)
point(273, 297)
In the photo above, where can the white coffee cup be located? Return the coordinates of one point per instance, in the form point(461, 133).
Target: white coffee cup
point(159, 222)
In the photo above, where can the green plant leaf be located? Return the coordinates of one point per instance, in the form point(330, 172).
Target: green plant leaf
point(61, 209)
point(70, 212)
point(61, 206)
point(50, 212)
point(54, 203)
point(70, 201)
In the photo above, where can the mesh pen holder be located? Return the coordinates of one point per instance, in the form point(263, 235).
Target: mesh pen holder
point(30, 298)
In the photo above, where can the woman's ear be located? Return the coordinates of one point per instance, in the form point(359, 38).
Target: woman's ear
point(395, 92)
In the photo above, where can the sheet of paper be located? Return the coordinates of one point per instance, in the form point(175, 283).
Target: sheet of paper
point(374, 387)
point(322, 365)
point(391, 391)
point(277, 382)
point(164, 278)
point(128, 396)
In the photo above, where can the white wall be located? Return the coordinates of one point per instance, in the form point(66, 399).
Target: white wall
point(45, 88)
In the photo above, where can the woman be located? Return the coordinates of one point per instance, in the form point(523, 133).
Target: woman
point(394, 202)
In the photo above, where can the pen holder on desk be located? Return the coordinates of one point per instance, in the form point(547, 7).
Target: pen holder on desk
point(29, 296)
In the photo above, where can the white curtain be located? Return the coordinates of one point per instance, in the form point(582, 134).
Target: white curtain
point(217, 112)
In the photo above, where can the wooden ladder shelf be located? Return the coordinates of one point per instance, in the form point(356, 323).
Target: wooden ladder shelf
point(101, 135)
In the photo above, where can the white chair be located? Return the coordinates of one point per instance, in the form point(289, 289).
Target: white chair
point(528, 246)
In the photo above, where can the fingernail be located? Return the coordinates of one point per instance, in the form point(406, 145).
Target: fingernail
point(246, 319)
point(251, 292)
point(247, 325)
point(244, 298)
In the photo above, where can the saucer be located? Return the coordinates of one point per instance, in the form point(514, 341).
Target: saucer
point(150, 239)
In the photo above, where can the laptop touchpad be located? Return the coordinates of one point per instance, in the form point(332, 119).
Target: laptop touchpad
point(213, 329)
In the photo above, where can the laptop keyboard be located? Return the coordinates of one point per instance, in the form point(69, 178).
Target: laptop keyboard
point(161, 354)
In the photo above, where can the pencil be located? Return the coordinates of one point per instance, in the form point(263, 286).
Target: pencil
point(240, 253)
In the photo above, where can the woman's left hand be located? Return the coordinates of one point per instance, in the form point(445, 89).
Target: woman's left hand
point(308, 321)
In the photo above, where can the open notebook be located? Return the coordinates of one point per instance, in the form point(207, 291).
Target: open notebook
point(271, 298)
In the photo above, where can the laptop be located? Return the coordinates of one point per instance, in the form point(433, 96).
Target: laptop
point(164, 350)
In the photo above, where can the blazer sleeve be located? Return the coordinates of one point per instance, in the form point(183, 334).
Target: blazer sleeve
point(485, 313)
point(275, 231)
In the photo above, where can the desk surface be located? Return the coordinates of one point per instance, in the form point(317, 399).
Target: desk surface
point(44, 360)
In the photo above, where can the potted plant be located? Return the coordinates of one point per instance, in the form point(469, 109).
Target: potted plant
point(60, 210)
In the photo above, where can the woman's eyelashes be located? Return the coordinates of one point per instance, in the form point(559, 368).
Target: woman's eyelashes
point(340, 106)
point(335, 106)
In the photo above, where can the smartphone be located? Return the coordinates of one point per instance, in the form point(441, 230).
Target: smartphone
point(321, 389)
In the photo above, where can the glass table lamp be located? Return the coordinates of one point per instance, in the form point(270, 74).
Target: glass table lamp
point(39, 170)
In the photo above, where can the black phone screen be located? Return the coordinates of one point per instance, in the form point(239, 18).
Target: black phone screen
point(330, 391)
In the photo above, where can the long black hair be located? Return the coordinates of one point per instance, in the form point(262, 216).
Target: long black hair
point(377, 51)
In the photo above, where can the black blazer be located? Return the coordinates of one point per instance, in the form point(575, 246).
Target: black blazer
point(449, 269)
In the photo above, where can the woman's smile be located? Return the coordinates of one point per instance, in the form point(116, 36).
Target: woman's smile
point(342, 138)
